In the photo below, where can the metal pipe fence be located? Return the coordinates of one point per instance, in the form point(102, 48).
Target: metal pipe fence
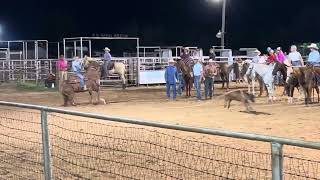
point(62, 144)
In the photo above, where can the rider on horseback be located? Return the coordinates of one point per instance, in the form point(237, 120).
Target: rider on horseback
point(314, 56)
point(77, 68)
point(106, 59)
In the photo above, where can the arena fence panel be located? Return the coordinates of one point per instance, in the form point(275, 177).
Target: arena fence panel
point(62, 144)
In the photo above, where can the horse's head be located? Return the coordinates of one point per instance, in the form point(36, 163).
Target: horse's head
point(250, 72)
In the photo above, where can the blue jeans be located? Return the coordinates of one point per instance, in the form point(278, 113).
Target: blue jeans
point(209, 87)
point(197, 85)
point(279, 78)
point(314, 63)
point(105, 69)
point(296, 63)
point(181, 84)
point(174, 89)
point(80, 76)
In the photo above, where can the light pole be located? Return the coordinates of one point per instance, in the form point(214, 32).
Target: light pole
point(221, 33)
point(223, 26)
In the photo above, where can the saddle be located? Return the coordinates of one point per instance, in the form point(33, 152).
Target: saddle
point(110, 65)
point(75, 80)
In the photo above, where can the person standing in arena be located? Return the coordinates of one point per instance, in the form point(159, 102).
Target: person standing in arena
point(198, 75)
point(171, 75)
point(210, 71)
point(62, 67)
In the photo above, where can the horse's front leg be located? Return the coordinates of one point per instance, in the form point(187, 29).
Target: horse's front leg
point(90, 93)
point(123, 82)
point(253, 90)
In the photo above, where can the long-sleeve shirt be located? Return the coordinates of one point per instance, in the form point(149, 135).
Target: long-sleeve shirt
point(281, 57)
point(76, 66)
point(107, 56)
point(187, 59)
point(272, 58)
point(62, 65)
point(314, 57)
point(210, 71)
point(171, 75)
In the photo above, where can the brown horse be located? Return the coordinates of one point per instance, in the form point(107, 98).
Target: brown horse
point(187, 74)
point(306, 77)
point(92, 77)
point(224, 71)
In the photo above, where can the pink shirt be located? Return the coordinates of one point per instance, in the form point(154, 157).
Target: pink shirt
point(62, 65)
point(281, 57)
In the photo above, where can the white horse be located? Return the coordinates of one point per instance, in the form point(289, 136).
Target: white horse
point(118, 68)
point(265, 71)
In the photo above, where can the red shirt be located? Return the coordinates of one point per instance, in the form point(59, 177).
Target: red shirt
point(272, 58)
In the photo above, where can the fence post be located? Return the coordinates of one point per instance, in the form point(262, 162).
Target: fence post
point(46, 145)
point(277, 161)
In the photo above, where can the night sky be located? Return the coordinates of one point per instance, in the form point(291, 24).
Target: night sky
point(250, 23)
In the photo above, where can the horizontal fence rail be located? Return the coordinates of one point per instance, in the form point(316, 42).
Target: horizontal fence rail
point(74, 145)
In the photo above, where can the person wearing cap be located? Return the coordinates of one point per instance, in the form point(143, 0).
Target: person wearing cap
point(171, 76)
point(106, 59)
point(256, 58)
point(198, 75)
point(295, 57)
point(77, 68)
point(314, 56)
point(212, 54)
point(272, 57)
point(210, 71)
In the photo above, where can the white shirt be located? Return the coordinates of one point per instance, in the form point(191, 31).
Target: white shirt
point(262, 60)
point(295, 56)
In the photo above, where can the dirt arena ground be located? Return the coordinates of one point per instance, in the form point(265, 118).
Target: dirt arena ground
point(278, 119)
point(149, 103)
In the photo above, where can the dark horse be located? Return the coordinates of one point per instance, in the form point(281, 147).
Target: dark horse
point(306, 77)
point(187, 75)
point(282, 68)
point(224, 71)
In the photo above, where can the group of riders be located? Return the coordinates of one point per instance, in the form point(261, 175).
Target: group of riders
point(209, 71)
point(77, 67)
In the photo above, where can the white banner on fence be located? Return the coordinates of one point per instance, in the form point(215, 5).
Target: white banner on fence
point(151, 77)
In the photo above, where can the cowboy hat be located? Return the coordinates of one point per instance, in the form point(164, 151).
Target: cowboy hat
point(313, 46)
point(278, 48)
point(106, 49)
point(257, 51)
point(210, 61)
point(171, 61)
point(187, 48)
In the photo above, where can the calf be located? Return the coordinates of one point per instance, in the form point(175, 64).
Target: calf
point(241, 96)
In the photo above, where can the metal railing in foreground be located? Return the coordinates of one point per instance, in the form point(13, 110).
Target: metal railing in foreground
point(63, 144)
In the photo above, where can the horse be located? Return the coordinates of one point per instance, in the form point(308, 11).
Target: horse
point(247, 79)
point(224, 71)
point(283, 69)
point(72, 86)
point(113, 68)
point(307, 80)
point(265, 71)
point(187, 74)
